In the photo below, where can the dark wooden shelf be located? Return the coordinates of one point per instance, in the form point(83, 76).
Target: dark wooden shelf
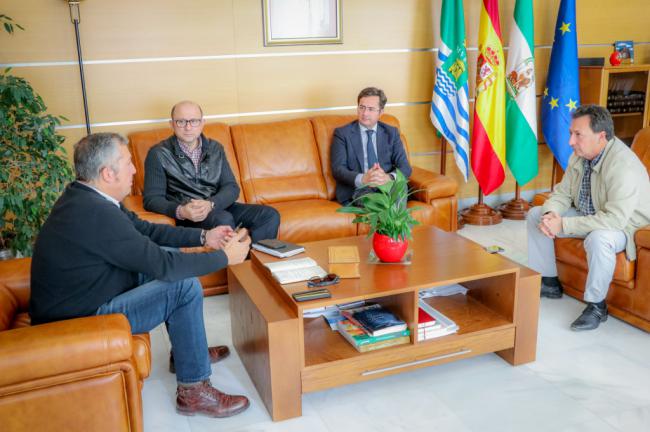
point(633, 114)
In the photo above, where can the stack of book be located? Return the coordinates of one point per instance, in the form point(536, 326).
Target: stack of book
point(372, 327)
point(432, 323)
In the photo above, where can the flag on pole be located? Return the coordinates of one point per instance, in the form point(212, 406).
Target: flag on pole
point(450, 105)
point(521, 103)
point(489, 131)
point(562, 91)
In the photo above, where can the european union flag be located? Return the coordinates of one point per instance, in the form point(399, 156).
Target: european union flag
point(562, 92)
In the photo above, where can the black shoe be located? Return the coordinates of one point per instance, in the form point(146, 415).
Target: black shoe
point(552, 292)
point(591, 317)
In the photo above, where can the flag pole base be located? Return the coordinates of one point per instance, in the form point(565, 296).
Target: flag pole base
point(481, 214)
point(515, 209)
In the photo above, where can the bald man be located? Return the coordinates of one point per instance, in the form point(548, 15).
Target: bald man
point(187, 177)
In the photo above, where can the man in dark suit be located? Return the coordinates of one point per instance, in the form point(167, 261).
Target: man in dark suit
point(366, 152)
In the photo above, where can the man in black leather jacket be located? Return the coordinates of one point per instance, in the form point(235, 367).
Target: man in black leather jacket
point(187, 177)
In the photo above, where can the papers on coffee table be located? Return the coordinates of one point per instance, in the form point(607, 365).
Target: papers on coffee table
point(295, 270)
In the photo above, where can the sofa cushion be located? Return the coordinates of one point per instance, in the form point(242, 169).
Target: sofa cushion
point(324, 132)
point(141, 142)
point(311, 220)
point(571, 251)
point(134, 203)
point(278, 161)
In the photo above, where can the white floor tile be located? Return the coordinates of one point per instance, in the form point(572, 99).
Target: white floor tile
point(637, 419)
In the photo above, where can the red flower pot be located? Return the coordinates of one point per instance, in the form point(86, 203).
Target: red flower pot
point(387, 249)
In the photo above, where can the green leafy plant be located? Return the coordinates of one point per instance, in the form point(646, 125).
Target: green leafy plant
point(385, 211)
point(9, 24)
point(34, 168)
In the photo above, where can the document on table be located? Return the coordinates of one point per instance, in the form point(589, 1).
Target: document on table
point(295, 270)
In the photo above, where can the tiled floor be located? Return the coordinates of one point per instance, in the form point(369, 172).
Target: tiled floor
point(596, 381)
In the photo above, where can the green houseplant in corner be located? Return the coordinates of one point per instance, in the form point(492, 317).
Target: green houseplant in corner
point(386, 213)
point(34, 168)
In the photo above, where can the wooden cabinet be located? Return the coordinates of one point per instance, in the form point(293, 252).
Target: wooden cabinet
point(623, 90)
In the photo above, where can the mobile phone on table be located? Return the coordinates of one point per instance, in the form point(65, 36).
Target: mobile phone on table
point(311, 295)
point(494, 249)
point(274, 244)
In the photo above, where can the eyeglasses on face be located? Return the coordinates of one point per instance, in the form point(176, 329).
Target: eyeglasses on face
point(369, 109)
point(317, 281)
point(182, 122)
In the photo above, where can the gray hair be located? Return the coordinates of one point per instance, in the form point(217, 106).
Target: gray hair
point(600, 120)
point(96, 151)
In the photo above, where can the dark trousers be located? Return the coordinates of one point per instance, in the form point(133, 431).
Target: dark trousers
point(262, 222)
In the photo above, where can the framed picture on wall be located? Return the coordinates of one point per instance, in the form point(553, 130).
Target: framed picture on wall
point(300, 22)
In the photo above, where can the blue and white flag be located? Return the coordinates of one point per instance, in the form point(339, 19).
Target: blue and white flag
point(450, 104)
point(562, 91)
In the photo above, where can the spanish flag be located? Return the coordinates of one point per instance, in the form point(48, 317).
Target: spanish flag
point(489, 131)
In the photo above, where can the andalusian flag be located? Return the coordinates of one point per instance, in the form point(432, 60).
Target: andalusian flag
point(489, 132)
point(450, 104)
point(521, 116)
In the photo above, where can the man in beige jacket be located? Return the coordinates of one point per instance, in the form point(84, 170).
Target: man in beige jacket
point(604, 197)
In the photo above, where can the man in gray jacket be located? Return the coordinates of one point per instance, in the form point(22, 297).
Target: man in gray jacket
point(604, 197)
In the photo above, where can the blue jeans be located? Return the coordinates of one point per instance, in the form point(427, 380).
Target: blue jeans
point(180, 306)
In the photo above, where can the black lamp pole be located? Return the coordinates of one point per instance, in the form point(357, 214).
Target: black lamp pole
point(75, 17)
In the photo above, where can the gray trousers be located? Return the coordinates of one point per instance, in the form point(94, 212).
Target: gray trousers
point(601, 247)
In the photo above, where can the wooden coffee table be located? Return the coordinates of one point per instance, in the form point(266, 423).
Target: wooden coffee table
point(287, 355)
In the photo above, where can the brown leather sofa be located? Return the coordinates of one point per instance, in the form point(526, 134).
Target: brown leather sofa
point(629, 294)
point(82, 374)
point(286, 164)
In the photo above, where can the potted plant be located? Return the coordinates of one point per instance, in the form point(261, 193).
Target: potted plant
point(388, 217)
point(34, 168)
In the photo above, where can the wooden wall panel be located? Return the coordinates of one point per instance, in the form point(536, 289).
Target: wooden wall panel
point(143, 90)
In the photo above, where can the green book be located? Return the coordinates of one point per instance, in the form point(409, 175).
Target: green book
point(358, 337)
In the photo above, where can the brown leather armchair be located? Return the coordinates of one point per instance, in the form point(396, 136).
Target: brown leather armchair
point(82, 374)
point(629, 293)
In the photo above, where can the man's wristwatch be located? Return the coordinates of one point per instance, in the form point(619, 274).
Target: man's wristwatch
point(204, 233)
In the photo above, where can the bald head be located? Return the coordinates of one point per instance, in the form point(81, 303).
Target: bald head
point(185, 103)
point(187, 122)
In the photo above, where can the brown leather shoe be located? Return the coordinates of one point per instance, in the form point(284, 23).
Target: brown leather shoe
point(206, 400)
point(216, 353)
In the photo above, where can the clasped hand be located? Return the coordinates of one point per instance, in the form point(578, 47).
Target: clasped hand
point(196, 210)
point(550, 225)
point(375, 176)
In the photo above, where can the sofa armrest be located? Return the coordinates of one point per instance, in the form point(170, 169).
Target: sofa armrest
point(31, 353)
point(430, 185)
point(642, 237)
point(540, 198)
point(134, 203)
point(15, 275)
